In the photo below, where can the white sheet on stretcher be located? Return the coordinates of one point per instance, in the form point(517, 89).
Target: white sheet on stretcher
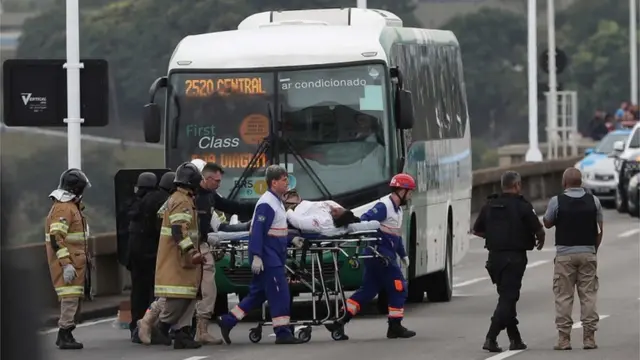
point(351, 228)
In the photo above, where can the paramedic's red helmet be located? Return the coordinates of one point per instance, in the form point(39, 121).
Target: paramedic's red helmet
point(403, 181)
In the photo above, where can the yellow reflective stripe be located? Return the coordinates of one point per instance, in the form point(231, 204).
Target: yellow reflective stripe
point(70, 290)
point(175, 290)
point(280, 321)
point(166, 231)
point(58, 226)
point(64, 252)
point(185, 243)
point(73, 237)
point(179, 217)
point(162, 209)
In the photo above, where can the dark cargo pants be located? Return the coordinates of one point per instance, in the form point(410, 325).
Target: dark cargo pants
point(506, 270)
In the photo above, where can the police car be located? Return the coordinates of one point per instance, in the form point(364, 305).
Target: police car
point(598, 167)
point(627, 164)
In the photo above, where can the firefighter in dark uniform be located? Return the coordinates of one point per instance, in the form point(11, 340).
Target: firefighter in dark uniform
point(144, 232)
point(510, 227)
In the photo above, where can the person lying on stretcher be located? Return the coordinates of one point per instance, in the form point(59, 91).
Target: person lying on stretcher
point(322, 216)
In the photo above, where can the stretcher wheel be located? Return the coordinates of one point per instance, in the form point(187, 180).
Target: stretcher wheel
point(354, 263)
point(255, 335)
point(337, 334)
point(304, 334)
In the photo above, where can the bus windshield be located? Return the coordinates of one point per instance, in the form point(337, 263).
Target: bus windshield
point(223, 119)
point(334, 126)
point(336, 120)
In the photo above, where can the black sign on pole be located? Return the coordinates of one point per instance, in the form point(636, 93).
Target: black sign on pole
point(35, 92)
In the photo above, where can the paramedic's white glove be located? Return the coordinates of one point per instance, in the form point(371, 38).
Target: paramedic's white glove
point(212, 239)
point(68, 274)
point(297, 242)
point(405, 261)
point(256, 265)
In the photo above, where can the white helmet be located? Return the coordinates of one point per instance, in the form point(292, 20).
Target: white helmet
point(199, 163)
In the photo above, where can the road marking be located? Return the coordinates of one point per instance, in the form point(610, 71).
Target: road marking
point(484, 251)
point(510, 353)
point(504, 355)
point(629, 233)
point(578, 325)
point(537, 263)
point(196, 358)
point(85, 324)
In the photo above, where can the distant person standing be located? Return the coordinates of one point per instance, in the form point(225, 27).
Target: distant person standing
point(511, 227)
point(577, 217)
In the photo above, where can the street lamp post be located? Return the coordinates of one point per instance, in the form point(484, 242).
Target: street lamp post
point(73, 66)
point(533, 153)
point(633, 48)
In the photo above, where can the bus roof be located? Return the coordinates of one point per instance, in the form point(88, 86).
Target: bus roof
point(278, 46)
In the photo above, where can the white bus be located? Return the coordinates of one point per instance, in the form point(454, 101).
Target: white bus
point(345, 98)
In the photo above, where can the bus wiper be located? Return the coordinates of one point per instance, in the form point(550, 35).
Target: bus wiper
point(263, 147)
point(302, 161)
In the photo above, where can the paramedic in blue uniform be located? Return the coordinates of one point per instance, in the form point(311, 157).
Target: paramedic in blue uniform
point(268, 251)
point(378, 276)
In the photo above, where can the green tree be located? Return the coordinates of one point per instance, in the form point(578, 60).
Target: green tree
point(137, 37)
point(493, 44)
point(598, 50)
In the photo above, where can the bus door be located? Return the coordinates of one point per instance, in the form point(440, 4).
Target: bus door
point(124, 184)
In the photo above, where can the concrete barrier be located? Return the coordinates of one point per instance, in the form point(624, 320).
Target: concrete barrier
point(540, 181)
point(513, 154)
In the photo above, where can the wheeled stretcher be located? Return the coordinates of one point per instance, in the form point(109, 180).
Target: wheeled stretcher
point(306, 267)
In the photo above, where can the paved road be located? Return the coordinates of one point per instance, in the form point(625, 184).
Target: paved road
point(449, 331)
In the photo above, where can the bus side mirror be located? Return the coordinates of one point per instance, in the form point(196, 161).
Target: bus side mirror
point(152, 120)
point(404, 110)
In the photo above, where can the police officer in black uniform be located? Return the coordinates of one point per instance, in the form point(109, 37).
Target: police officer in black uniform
point(510, 227)
point(144, 234)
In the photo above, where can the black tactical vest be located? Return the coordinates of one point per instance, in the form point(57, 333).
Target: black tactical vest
point(505, 226)
point(576, 221)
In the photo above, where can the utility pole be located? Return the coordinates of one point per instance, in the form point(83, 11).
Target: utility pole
point(633, 48)
point(73, 66)
point(553, 70)
point(533, 153)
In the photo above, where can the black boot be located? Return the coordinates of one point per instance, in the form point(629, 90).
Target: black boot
point(515, 339)
point(225, 330)
point(134, 337)
point(183, 339)
point(66, 341)
point(160, 334)
point(397, 331)
point(491, 342)
point(337, 328)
